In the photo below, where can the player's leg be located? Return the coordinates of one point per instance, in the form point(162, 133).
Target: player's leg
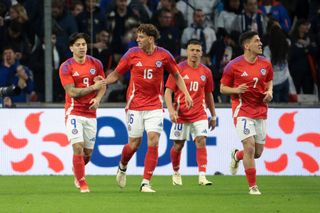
point(153, 121)
point(179, 134)
point(74, 126)
point(199, 132)
point(135, 130)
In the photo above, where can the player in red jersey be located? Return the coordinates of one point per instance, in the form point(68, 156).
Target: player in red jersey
point(147, 63)
point(82, 78)
point(199, 82)
point(248, 79)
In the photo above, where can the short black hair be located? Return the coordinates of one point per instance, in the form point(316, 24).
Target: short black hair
point(75, 36)
point(194, 41)
point(244, 37)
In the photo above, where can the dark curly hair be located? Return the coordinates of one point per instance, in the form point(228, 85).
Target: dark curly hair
point(149, 30)
point(278, 44)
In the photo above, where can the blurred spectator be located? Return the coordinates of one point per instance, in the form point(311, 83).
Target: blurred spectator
point(169, 35)
point(277, 52)
point(301, 59)
point(77, 7)
point(142, 10)
point(277, 10)
point(251, 19)
point(102, 50)
point(117, 19)
point(227, 17)
point(187, 7)
point(91, 20)
point(178, 19)
point(116, 92)
point(200, 31)
point(19, 75)
point(15, 37)
point(64, 24)
point(222, 51)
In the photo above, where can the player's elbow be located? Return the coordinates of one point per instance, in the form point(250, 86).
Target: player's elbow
point(222, 90)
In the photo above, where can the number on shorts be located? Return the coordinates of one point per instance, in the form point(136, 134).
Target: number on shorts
point(245, 129)
point(131, 118)
point(178, 127)
point(74, 123)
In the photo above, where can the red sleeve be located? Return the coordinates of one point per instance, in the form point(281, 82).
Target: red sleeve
point(227, 76)
point(65, 74)
point(100, 68)
point(123, 65)
point(171, 65)
point(171, 83)
point(209, 84)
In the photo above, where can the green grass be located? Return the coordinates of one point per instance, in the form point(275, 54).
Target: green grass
point(228, 194)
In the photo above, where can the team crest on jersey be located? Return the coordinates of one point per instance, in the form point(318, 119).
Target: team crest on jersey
point(158, 64)
point(203, 77)
point(263, 71)
point(92, 71)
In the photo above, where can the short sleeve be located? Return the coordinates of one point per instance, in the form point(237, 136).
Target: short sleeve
point(270, 73)
point(227, 76)
point(171, 65)
point(171, 83)
point(123, 65)
point(65, 75)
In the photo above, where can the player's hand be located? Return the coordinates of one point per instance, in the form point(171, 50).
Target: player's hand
point(99, 82)
point(189, 101)
point(212, 124)
point(242, 88)
point(268, 96)
point(173, 116)
point(94, 103)
point(98, 78)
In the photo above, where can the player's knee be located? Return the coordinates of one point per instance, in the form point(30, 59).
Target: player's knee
point(178, 146)
point(77, 149)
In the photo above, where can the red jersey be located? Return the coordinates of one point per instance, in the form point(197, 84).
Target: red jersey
point(198, 82)
point(145, 91)
point(256, 75)
point(81, 75)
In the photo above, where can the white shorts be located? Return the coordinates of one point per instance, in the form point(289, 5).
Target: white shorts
point(81, 129)
point(182, 131)
point(247, 127)
point(149, 120)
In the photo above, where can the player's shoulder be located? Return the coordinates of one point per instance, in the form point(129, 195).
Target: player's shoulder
point(234, 62)
point(131, 51)
point(262, 59)
point(163, 51)
point(183, 64)
point(66, 65)
point(205, 68)
point(93, 60)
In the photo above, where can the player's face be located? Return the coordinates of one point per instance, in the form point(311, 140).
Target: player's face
point(79, 48)
point(143, 40)
point(194, 52)
point(255, 45)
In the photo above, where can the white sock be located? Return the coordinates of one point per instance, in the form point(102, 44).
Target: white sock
point(145, 181)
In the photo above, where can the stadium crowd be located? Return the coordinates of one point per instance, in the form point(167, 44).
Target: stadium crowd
point(290, 32)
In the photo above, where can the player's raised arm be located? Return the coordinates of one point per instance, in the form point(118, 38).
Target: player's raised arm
point(182, 86)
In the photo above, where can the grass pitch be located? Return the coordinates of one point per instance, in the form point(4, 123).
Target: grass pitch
point(228, 194)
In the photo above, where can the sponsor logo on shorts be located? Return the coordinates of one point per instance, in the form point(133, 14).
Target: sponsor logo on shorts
point(160, 124)
point(74, 131)
point(93, 139)
point(176, 133)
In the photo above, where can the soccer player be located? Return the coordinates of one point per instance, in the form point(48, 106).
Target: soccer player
point(199, 82)
point(147, 63)
point(248, 79)
point(82, 78)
